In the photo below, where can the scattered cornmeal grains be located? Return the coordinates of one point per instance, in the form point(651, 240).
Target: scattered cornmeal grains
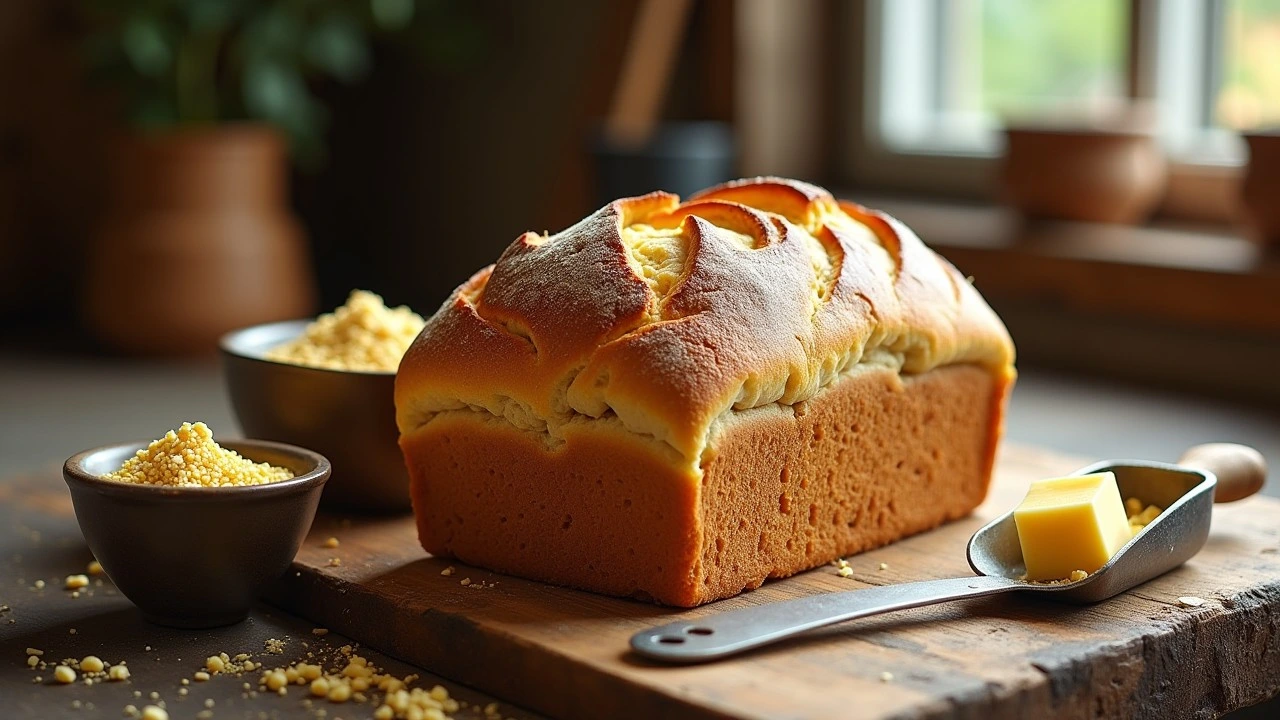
point(447, 571)
point(886, 677)
point(354, 679)
point(331, 542)
point(1191, 601)
point(1139, 516)
point(75, 582)
point(189, 457)
point(274, 646)
point(92, 664)
point(64, 674)
point(364, 334)
point(94, 568)
point(884, 566)
point(118, 672)
point(1075, 576)
point(152, 712)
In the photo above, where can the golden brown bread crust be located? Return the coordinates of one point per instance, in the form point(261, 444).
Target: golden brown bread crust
point(780, 290)
point(647, 354)
point(871, 459)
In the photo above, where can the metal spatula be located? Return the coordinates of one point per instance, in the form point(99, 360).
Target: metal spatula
point(1206, 474)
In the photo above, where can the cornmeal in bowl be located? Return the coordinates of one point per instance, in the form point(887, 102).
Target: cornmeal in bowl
point(189, 457)
point(364, 334)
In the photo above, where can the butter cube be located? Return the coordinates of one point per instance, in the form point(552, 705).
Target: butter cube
point(1071, 523)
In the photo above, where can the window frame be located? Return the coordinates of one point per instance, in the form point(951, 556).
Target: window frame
point(1166, 38)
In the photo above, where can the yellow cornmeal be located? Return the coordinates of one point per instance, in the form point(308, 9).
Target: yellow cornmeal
point(364, 334)
point(1140, 517)
point(189, 457)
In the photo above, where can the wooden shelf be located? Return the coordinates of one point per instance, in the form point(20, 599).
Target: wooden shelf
point(1167, 274)
point(1183, 306)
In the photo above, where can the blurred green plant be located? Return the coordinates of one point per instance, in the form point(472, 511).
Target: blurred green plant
point(1036, 53)
point(1249, 97)
point(199, 62)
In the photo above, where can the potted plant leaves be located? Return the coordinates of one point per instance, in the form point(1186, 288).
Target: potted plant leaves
point(198, 237)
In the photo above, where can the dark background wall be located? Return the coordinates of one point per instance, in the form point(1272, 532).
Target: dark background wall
point(432, 171)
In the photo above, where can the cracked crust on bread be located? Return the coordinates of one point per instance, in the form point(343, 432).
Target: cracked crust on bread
point(656, 329)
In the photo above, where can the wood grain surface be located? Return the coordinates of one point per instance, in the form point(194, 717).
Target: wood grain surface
point(564, 652)
point(41, 542)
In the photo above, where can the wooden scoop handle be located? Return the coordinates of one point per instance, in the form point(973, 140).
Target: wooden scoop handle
point(1241, 470)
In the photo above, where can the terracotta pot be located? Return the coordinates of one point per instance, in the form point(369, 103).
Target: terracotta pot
point(1260, 193)
point(198, 239)
point(1087, 175)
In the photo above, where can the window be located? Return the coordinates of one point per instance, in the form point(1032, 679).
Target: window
point(951, 70)
point(1246, 88)
point(944, 75)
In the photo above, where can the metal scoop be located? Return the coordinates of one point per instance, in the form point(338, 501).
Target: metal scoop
point(1218, 472)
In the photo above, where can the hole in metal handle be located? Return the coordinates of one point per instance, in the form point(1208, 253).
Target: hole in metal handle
point(670, 640)
point(699, 631)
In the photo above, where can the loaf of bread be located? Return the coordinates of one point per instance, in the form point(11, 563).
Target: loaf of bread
point(680, 401)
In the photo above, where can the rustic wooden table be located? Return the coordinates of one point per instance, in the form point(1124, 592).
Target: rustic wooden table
point(40, 541)
point(55, 405)
point(1142, 654)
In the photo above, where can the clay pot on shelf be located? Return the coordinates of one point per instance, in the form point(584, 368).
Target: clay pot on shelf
point(1090, 175)
point(198, 239)
point(1260, 192)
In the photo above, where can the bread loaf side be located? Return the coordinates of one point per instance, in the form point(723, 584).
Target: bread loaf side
point(660, 335)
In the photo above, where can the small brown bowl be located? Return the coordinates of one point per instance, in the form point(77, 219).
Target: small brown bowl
point(1083, 174)
point(1261, 187)
point(195, 557)
point(348, 415)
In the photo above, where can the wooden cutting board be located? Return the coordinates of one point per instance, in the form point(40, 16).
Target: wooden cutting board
point(564, 652)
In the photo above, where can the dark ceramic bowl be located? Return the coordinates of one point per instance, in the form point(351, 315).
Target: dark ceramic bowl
point(348, 415)
point(195, 557)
